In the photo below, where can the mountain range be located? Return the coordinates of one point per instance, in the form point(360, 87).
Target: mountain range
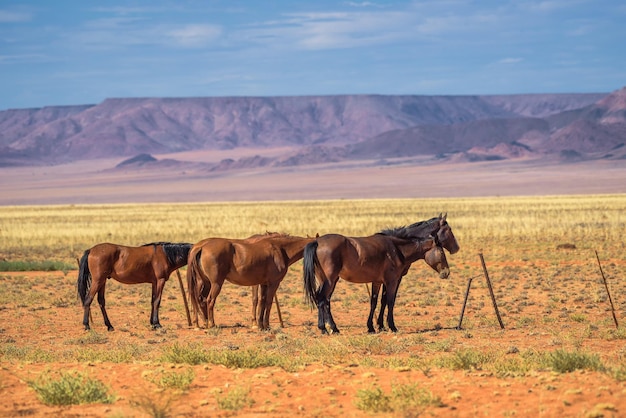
point(321, 129)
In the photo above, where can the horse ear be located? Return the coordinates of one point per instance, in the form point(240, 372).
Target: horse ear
point(445, 216)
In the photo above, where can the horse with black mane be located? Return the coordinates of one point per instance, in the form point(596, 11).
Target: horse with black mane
point(381, 259)
point(150, 263)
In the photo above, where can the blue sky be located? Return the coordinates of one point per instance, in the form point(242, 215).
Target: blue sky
point(81, 52)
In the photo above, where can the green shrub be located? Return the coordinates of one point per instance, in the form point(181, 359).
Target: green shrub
point(155, 408)
point(190, 354)
point(173, 379)
point(562, 361)
point(72, 388)
point(237, 398)
point(373, 400)
point(403, 398)
point(243, 359)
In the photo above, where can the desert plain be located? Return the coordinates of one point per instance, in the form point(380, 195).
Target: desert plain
point(538, 226)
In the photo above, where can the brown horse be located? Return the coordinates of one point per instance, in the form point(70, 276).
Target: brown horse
point(258, 260)
point(150, 263)
point(380, 259)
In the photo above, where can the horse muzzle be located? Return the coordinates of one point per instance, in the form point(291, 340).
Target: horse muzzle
point(444, 273)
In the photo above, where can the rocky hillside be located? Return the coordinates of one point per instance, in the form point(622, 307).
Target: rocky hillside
point(323, 128)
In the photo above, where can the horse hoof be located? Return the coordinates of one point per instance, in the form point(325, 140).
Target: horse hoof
point(156, 326)
point(110, 328)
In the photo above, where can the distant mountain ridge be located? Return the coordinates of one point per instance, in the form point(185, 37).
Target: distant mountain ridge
point(322, 128)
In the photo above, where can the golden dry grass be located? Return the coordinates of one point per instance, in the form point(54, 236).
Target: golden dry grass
point(508, 227)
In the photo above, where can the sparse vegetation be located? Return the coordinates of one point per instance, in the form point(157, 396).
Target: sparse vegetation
point(408, 399)
point(70, 388)
point(235, 399)
point(552, 301)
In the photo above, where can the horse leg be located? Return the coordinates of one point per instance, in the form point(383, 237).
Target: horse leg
point(262, 307)
point(157, 292)
point(102, 303)
point(383, 305)
point(255, 305)
point(87, 308)
point(210, 305)
point(373, 302)
point(267, 306)
point(392, 291)
point(327, 313)
point(322, 310)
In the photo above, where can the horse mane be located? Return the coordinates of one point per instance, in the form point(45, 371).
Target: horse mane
point(416, 230)
point(173, 250)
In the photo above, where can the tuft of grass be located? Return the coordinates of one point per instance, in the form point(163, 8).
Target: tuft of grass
point(192, 354)
point(563, 361)
point(173, 379)
point(408, 399)
point(467, 359)
point(47, 265)
point(161, 408)
point(71, 388)
point(236, 399)
point(244, 359)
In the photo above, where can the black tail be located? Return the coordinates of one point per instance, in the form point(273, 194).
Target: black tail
point(84, 277)
point(310, 261)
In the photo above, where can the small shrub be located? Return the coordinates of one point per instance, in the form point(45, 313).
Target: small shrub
point(236, 399)
point(243, 359)
point(154, 408)
point(72, 388)
point(373, 400)
point(468, 359)
point(190, 354)
point(403, 398)
point(562, 361)
point(174, 380)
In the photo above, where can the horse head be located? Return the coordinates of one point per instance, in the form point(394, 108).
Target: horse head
point(444, 235)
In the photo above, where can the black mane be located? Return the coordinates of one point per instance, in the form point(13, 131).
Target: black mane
point(174, 250)
point(421, 229)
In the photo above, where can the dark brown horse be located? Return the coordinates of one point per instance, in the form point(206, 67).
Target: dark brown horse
point(380, 259)
point(151, 263)
point(258, 260)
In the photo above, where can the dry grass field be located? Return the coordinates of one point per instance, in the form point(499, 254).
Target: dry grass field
point(559, 354)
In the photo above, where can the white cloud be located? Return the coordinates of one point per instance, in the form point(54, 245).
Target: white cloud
point(194, 35)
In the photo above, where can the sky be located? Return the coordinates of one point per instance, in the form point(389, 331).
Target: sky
point(78, 52)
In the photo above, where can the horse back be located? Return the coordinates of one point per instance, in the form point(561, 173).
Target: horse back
point(357, 259)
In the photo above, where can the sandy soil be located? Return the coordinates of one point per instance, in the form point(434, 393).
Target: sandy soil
point(95, 182)
point(565, 315)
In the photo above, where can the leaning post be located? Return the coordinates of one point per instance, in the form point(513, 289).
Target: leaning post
point(493, 298)
point(182, 290)
point(606, 286)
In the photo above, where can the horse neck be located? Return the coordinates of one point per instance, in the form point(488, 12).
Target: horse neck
point(413, 251)
point(293, 247)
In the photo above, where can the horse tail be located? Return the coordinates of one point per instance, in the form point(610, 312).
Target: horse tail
point(310, 262)
point(192, 279)
point(84, 277)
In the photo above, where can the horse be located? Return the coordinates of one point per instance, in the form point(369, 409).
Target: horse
point(380, 259)
point(149, 263)
point(258, 260)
